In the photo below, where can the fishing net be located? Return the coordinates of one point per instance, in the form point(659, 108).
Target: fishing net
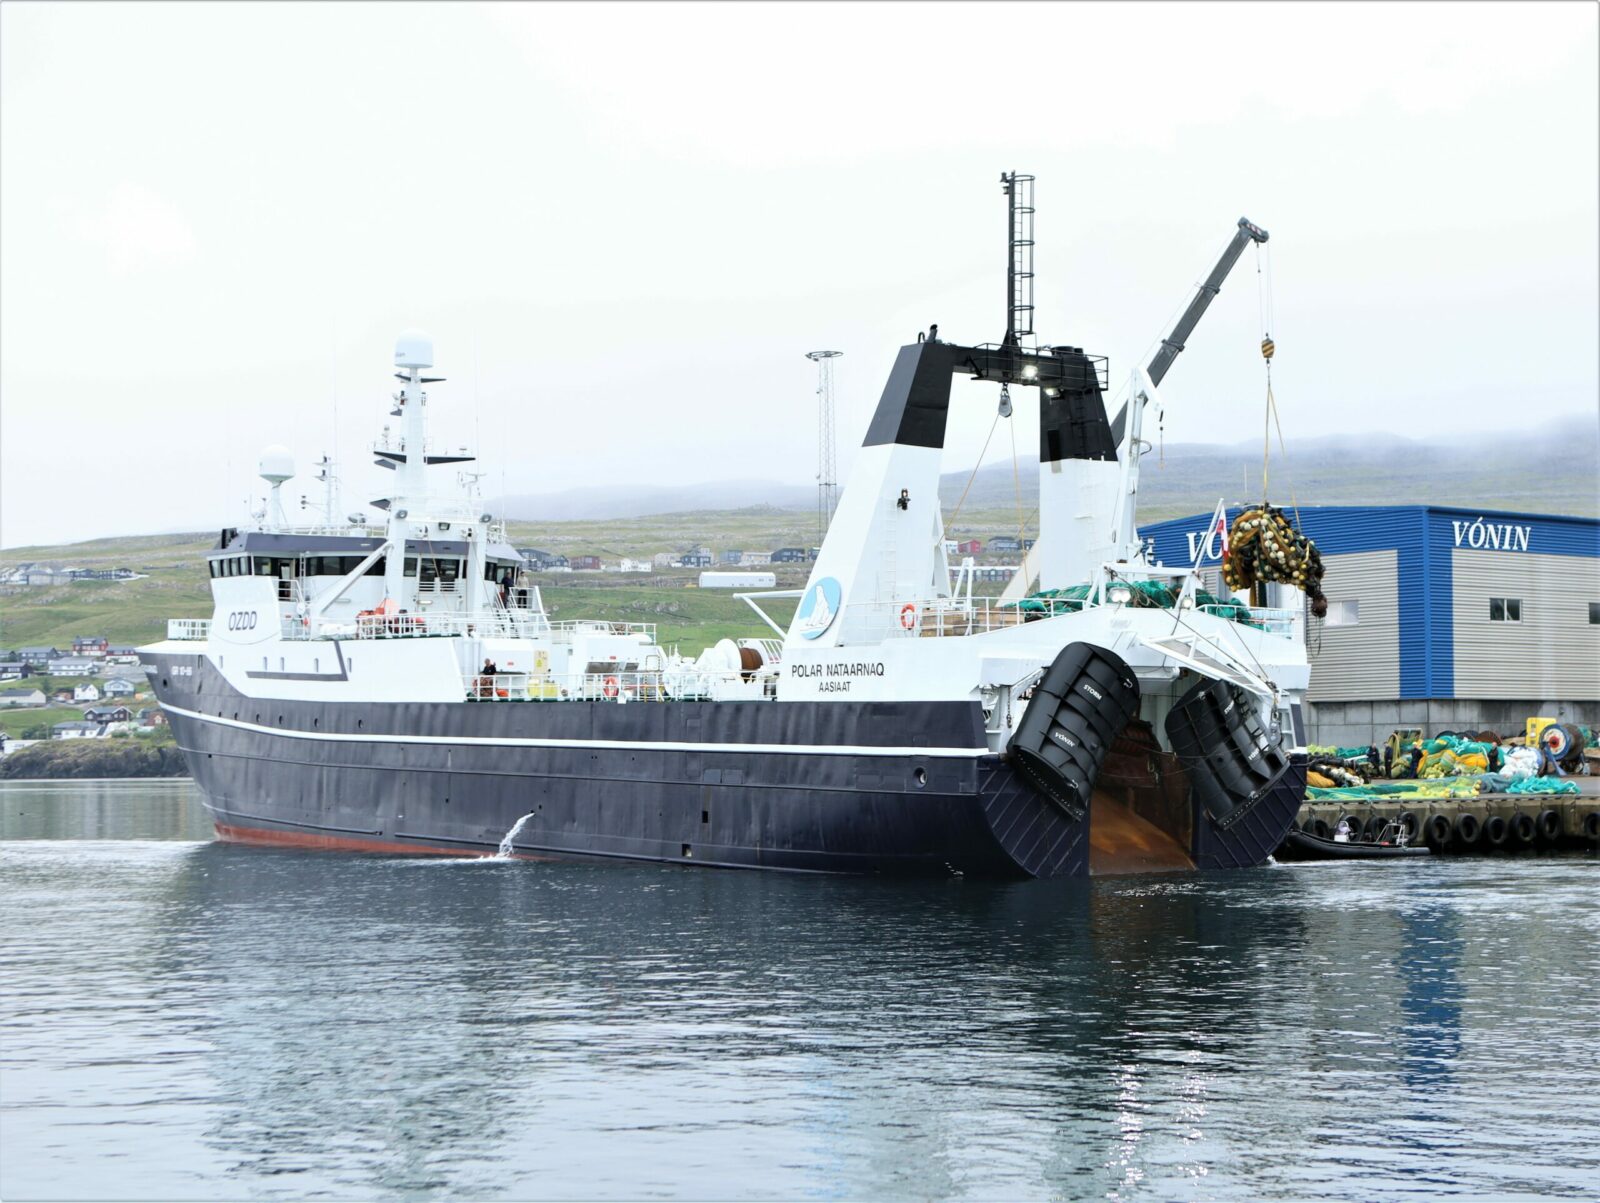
point(1145, 595)
point(1263, 546)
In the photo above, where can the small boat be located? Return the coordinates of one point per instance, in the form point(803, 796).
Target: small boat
point(1302, 845)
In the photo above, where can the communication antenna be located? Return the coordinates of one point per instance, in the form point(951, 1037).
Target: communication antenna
point(276, 466)
point(827, 461)
point(1019, 255)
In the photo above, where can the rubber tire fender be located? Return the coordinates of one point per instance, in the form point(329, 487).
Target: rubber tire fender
point(1523, 829)
point(1437, 832)
point(1591, 825)
point(1411, 823)
point(1467, 828)
point(1550, 825)
point(1496, 830)
point(1373, 828)
point(1320, 829)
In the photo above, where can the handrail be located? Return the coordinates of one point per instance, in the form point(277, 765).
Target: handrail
point(658, 685)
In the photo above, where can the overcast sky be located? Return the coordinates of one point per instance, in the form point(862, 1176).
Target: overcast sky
point(625, 225)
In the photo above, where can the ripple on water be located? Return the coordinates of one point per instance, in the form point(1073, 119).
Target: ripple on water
point(185, 1019)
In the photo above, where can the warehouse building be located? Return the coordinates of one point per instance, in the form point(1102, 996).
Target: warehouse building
point(1438, 618)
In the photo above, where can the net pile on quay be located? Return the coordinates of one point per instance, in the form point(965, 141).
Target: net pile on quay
point(1461, 791)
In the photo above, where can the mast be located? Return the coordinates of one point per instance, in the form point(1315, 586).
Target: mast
point(1019, 255)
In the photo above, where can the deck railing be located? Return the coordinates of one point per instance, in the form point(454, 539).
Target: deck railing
point(189, 628)
point(622, 687)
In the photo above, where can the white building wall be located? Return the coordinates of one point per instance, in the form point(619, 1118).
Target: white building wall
point(1359, 662)
point(1553, 652)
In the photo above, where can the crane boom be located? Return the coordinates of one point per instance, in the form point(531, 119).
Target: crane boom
point(1173, 344)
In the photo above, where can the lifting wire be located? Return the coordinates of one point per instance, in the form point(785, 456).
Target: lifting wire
point(1271, 419)
point(974, 475)
point(1016, 478)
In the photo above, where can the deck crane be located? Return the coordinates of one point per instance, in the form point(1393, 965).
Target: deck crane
point(1172, 346)
point(1127, 442)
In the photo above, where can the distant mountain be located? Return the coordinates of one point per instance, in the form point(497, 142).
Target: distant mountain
point(1543, 471)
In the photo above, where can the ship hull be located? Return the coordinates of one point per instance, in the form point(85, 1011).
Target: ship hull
point(903, 789)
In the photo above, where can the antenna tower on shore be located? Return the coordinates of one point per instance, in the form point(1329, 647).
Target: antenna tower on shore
point(827, 461)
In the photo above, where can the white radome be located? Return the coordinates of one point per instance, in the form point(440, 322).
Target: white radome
point(277, 464)
point(413, 349)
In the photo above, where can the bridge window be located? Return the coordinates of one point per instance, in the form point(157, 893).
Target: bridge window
point(1594, 614)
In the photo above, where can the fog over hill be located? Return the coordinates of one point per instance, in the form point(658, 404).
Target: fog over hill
point(1552, 471)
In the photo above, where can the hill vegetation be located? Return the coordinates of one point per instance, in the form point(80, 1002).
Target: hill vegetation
point(1542, 472)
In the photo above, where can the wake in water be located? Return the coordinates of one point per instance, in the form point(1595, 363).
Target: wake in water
point(504, 852)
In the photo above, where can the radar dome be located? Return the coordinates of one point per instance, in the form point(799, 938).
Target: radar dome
point(413, 349)
point(277, 465)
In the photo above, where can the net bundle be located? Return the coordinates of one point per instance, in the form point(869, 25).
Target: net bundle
point(1263, 546)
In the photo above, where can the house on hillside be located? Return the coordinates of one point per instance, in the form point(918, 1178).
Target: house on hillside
point(74, 666)
point(108, 714)
point(90, 645)
point(699, 557)
point(730, 558)
point(14, 670)
point(87, 691)
point(970, 547)
point(38, 656)
point(1005, 543)
point(151, 716)
point(789, 555)
point(78, 730)
point(585, 563)
point(12, 698)
point(119, 687)
point(752, 559)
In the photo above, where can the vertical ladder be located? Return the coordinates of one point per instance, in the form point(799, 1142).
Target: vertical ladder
point(1019, 256)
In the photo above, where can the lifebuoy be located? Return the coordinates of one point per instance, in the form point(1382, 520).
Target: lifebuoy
point(609, 687)
point(908, 616)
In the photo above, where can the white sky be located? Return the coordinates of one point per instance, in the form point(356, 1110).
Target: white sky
point(625, 225)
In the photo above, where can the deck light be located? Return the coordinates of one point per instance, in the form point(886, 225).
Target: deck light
point(1119, 595)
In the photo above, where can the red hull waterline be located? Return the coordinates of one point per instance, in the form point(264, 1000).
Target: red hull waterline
point(323, 842)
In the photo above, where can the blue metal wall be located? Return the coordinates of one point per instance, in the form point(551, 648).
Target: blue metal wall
point(1423, 539)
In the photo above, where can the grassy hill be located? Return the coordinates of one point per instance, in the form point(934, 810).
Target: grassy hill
point(1541, 471)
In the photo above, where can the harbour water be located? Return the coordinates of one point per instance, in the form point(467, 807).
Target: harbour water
point(183, 1019)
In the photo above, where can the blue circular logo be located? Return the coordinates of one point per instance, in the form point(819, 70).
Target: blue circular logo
point(817, 608)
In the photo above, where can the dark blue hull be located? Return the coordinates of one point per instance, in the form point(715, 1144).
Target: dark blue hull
point(871, 787)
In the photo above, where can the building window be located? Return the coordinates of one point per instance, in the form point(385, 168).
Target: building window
point(1594, 613)
point(1505, 609)
point(1343, 614)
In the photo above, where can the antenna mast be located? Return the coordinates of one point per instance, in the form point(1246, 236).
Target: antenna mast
point(827, 461)
point(1019, 255)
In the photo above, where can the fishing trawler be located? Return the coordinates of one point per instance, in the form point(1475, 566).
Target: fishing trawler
point(403, 689)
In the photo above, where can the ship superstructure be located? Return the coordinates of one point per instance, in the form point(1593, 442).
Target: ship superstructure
point(404, 689)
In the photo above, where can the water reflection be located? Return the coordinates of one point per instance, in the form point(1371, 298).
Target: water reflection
point(282, 1023)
